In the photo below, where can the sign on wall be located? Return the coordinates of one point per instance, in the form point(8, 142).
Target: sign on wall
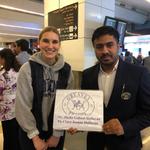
point(66, 21)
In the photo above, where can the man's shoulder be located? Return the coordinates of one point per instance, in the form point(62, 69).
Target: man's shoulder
point(133, 68)
point(92, 69)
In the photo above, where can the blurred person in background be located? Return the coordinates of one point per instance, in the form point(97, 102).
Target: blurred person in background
point(8, 81)
point(38, 80)
point(12, 47)
point(121, 56)
point(134, 61)
point(22, 51)
point(128, 57)
point(139, 59)
point(146, 61)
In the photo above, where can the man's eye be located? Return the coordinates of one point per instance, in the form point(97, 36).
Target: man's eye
point(109, 45)
point(98, 46)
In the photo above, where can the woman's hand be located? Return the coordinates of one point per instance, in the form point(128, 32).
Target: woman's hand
point(39, 144)
point(53, 141)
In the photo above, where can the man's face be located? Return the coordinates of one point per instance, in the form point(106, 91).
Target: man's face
point(106, 50)
point(17, 49)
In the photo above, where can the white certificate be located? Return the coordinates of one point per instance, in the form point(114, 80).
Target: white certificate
point(81, 109)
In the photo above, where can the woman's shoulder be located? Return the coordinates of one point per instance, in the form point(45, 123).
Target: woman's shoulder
point(25, 66)
point(25, 69)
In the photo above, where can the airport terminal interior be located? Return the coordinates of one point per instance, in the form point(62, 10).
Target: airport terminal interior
point(75, 21)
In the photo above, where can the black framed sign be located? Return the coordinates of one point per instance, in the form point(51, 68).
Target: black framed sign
point(65, 20)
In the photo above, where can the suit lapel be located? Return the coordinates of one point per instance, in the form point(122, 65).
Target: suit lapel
point(118, 84)
point(95, 76)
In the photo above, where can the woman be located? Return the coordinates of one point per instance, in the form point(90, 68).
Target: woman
point(37, 82)
point(8, 80)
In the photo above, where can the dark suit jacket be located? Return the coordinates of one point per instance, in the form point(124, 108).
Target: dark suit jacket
point(134, 113)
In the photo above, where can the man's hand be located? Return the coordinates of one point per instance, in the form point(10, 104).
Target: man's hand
point(39, 144)
point(53, 141)
point(72, 130)
point(113, 126)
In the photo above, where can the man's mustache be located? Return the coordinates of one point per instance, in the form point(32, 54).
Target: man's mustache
point(105, 55)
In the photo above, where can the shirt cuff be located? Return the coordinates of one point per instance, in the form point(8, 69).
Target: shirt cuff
point(32, 134)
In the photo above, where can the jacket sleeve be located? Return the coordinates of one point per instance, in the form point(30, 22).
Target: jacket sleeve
point(24, 100)
point(83, 83)
point(141, 119)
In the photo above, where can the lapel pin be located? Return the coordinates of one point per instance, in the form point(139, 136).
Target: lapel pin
point(125, 95)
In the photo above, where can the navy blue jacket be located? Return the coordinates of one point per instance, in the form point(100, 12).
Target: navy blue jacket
point(134, 113)
point(37, 75)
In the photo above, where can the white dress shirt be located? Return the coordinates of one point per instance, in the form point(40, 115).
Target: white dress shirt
point(106, 82)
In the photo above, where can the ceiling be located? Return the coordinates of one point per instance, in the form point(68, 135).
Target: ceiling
point(24, 23)
point(139, 24)
point(28, 25)
point(139, 4)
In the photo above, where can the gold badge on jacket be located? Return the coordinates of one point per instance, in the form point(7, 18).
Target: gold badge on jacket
point(125, 95)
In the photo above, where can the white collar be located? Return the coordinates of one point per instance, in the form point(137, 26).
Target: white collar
point(114, 68)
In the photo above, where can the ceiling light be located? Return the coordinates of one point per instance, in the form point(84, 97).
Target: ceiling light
point(14, 26)
point(21, 10)
point(148, 1)
point(21, 35)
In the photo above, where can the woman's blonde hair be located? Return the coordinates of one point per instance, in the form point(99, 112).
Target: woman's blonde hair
point(49, 29)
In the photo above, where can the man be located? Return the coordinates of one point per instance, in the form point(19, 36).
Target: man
point(126, 90)
point(146, 62)
point(22, 51)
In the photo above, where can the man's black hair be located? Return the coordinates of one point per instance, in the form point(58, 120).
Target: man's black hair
point(104, 30)
point(24, 44)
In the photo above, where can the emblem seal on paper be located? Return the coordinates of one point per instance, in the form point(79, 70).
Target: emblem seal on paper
point(78, 103)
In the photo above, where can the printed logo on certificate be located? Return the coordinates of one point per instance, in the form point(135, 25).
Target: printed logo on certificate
point(81, 109)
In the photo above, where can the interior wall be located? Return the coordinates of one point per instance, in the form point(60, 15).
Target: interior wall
point(79, 52)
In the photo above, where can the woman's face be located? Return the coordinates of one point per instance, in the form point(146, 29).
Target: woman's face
point(49, 45)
